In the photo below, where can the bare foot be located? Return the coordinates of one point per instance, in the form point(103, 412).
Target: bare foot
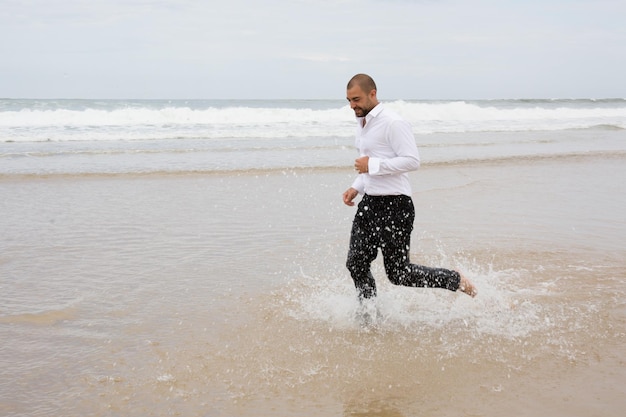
point(467, 286)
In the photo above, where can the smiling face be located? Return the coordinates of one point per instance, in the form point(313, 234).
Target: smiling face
point(360, 101)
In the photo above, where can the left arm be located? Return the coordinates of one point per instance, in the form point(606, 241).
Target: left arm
point(406, 156)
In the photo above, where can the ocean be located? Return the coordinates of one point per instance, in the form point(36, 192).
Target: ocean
point(187, 257)
point(138, 136)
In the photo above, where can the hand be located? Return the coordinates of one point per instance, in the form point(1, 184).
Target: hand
point(349, 195)
point(361, 164)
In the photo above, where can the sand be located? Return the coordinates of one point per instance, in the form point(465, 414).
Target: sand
point(226, 294)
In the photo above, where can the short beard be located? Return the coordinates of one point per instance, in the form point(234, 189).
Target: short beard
point(365, 111)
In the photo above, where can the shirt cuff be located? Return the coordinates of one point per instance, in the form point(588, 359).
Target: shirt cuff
point(373, 166)
point(358, 184)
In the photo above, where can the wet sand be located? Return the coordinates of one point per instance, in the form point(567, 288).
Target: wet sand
point(227, 295)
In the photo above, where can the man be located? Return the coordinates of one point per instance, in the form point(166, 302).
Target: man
point(385, 214)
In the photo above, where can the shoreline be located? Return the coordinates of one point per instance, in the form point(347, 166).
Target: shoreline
point(461, 163)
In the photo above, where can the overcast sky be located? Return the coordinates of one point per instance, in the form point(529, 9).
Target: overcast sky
point(308, 49)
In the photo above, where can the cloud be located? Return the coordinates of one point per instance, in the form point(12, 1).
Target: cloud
point(323, 58)
point(204, 49)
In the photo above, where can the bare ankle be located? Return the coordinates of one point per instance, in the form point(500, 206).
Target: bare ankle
point(466, 286)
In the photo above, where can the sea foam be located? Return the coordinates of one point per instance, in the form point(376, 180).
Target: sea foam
point(36, 120)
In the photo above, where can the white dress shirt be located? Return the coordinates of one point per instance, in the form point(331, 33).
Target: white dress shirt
point(389, 142)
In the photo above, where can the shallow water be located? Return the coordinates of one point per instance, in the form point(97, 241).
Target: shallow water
point(226, 295)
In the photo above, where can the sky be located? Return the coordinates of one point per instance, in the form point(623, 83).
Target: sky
point(308, 49)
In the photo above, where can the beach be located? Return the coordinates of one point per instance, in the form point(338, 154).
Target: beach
point(211, 295)
point(139, 279)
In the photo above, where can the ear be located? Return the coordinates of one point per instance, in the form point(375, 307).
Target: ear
point(373, 93)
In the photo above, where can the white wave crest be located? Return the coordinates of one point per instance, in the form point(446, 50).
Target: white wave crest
point(147, 121)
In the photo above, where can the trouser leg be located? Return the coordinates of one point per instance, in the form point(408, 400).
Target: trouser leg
point(363, 250)
point(395, 245)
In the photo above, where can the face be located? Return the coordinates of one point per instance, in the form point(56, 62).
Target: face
point(360, 101)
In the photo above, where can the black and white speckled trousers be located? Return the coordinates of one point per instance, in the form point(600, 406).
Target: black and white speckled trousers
point(386, 222)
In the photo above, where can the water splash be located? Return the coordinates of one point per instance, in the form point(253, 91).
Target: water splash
point(501, 309)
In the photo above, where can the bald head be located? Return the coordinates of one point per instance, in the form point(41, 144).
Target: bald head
point(361, 94)
point(364, 81)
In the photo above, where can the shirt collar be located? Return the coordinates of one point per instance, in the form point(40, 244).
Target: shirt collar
point(376, 110)
point(373, 113)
